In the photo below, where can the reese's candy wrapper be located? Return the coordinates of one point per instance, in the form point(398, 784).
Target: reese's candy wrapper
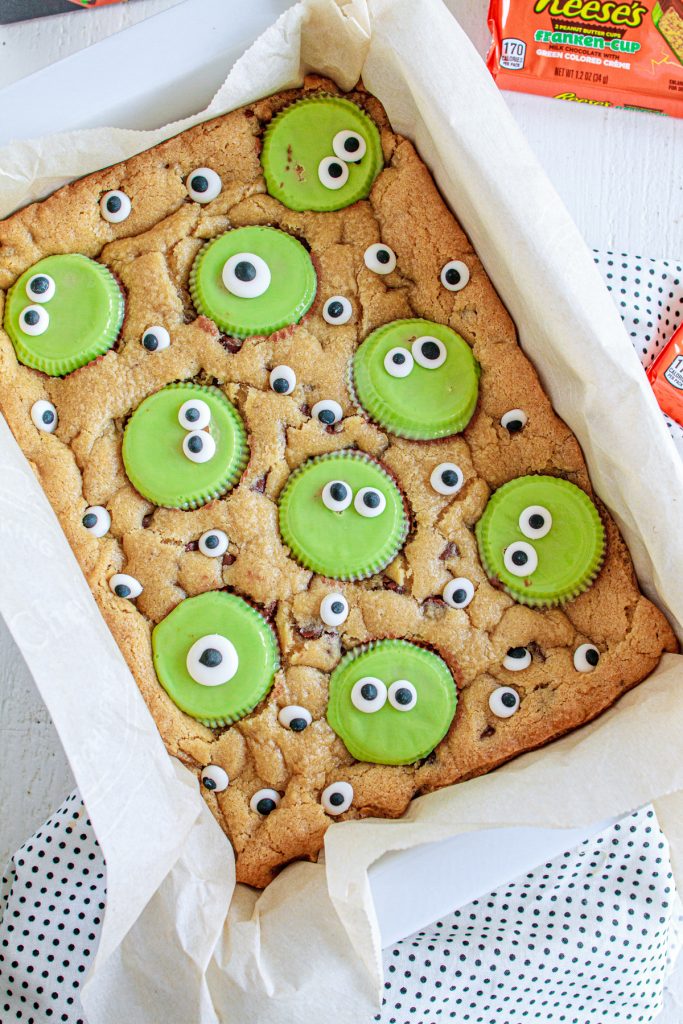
point(666, 377)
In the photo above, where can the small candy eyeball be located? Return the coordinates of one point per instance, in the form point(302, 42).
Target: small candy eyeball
point(334, 609)
point(214, 778)
point(282, 380)
point(514, 420)
point(520, 559)
point(203, 185)
point(369, 502)
point(349, 146)
point(447, 478)
point(156, 338)
point(333, 173)
point(337, 797)
point(504, 701)
point(429, 352)
point(246, 275)
point(399, 362)
point(96, 520)
point(517, 659)
point(337, 310)
point(535, 522)
point(198, 446)
point(458, 592)
point(455, 275)
point(369, 694)
point(586, 657)
point(124, 585)
point(264, 801)
point(402, 695)
point(115, 206)
point(213, 543)
point(380, 258)
point(212, 660)
point(337, 495)
point(34, 320)
point(40, 288)
point(328, 412)
point(194, 415)
point(294, 717)
point(44, 416)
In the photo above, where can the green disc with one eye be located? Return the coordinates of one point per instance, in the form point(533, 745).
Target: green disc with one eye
point(391, 702)
point(542, 538)
point(321, 153)
point(342, 516)
point(253, 280)
point(184, 464)
point(215, 656)
point(63, 312)
point(416, 379)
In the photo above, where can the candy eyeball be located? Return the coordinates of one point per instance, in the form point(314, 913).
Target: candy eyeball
point(535, 522)
point(124, 585)
point(402, 695)
point(44, 416)
point(155, 339)
point(213, 543)
point(380, 258)
point(334, 609)
point(294, 717)
point(215, 778)
point(504, 701)
point(34, 320)
point(40, 288)
point(198, 446)
point(429, 352)
point(337, 797)
point(212, 660)
point(246, 275)
point(333, 173)
point(455, 275)
point(399, 362)
point(369, 694)
point(514, 420)
point(517, 659)
point(458, 592)
point(194, 415)
point(586, 657)
point(369, 502)
point(115, 206)
point(282, 380)
point(264, 801)
point(337, 495)
point(520, 559)
point(337, 310)
point(349, 146)
point(328, 412)
point(203, 185)
point(96, 520)
point(447, 478)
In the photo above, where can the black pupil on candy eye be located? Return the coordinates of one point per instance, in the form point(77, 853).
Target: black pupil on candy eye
point(335, 170)
point(211, 657)
point(383, 256)
point(514, 426)
point(195, 444)
point(335, 309)
point(459, 596)
point(351, 144)
point(338, 492)
point(199, 183)
point(212, 541)
point(114, 204)
point(509, 700)
point(371, 499)
point(298, 724)
point(368, 691)
point(192, 415)
point(208, 783)
point(398, 358)
point(151, 342)
point(326, 416)
point(48, 416)
point(40, 285)
point(31, 317)
point(337, 799)
point(592, 657)
point(453, 276)
point(430, 350)
point(245, 271)
point(337, 607)
point(403, 695)
point(265, 805)
point(536, 521)
point(517, 652)
point(449, 477)
point(121, 590)
point(280, 385)
point(520, 557)
point(89, 520)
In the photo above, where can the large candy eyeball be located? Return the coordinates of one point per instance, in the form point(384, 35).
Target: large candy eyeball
point(294, 717)
point(429, 352)
point(504, 701)
point(212, 660)
point(517, 659)
point(115, 206)
point(369, 502)
point(156, 338)
point(328, 412)
point(246, 275)
point(586, 657)
point(520, 559)
point(458, 592)
point(44, 416)
point(282, 380)
point(447, 478)
point(264, 801)
point(337, 310)
point(203, 185)
point(124, 585)
point(337, 797)
point(399, 362)
point(198, 446)
point(369, 694)
point(96, 520)
point(380, 258)
point(215, 778)
point(34, 320)
point(213, 543)
point(349, 146)
point(337, 495)
point(194, 415)
point(402, 695)
point(535, 522)
point(455, 275)
point(334, 609)
point(333, 173)
point(514, 420)
point(40, 288)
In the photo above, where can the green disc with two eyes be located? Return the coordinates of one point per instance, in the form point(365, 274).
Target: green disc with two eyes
point(342, 545)
point(568, 543)
point(389, 735)
point(412, 398)
point(209, 615)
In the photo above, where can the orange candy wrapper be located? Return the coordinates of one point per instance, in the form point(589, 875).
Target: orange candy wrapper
point(666, 377)
point(606, 53)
